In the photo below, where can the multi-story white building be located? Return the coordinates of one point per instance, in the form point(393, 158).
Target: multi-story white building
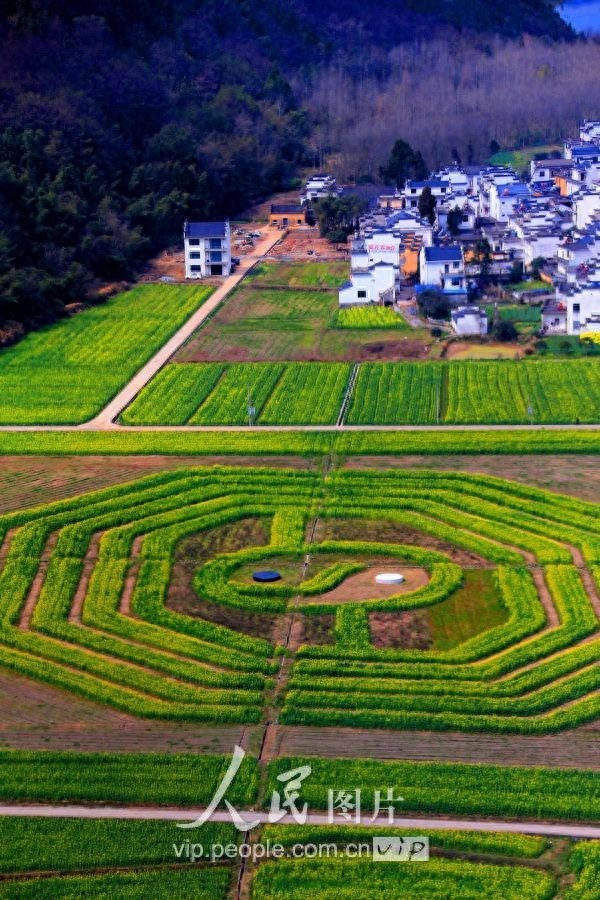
point(372, 284)
point(505, 198)
point(589, 131)
point(207, 249)
point(439, 187)
point(583, 308)
point(443, 268)
point(317, 187)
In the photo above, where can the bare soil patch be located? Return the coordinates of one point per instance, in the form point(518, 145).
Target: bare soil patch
point(193, 552)
point(35, 716)
point(307, 244)
point(32, 480)
point(392, 532)
point(468, 350)
point(316, 629)
point(578, 475)
point(407, 630)
point(577, 749)
point(363, 586)
point(389, 351)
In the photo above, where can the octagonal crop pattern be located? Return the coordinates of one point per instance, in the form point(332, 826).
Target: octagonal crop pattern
point(68, 567)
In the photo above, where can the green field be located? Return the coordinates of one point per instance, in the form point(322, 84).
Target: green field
point(453, 393)
point(516, 312)
point(364, 879)
point(300, 274)
point(471, 392)
point(218, 394)
point(69, 858)
point(66, 373)
point(370, 317)
point(503, 670)
point(520, 159)
point(290, 312)
point(254, 442)
point(478, 790)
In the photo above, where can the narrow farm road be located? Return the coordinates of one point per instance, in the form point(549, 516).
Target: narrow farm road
point(141, 379)
point(549, 829)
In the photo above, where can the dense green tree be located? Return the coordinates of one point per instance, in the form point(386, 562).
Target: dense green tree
point(427, 205)
point(403, 164)
point(455, 217)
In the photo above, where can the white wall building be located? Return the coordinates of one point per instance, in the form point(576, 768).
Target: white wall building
point(207, 249)
point(589, 131)
point(469, 320)
point(440, 188)
point(583, 308)
point(443, 268)
point(586, 205)
point(374, 284)
point(505, 198)
point(317, 187)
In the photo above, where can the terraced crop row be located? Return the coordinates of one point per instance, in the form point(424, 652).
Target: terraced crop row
point(84, 582)
point(537, 671)
point(144, 659)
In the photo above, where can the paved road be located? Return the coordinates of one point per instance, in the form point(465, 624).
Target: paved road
point(126, 395)
point(549, 829)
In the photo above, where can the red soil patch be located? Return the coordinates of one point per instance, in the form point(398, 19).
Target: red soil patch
point(363, 586)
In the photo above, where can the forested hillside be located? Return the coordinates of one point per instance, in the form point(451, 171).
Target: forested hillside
point(118, 119)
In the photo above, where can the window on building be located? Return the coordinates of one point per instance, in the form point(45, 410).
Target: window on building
point(446, 268)
point(456, 282)
point(196, 268)
point(362, 295)
point(456, 265)
point(195, 255)
point(194, 242)
point(215, 243)
point(576, 307)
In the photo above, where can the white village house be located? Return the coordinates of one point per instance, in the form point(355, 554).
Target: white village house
point(207, 249)
point(443, 268)
point(372, 284)
point(469, 320)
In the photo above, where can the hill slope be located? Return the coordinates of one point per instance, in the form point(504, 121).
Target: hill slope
point(118, 119)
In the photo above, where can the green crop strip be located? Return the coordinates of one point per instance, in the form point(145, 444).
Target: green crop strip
point(67, 372)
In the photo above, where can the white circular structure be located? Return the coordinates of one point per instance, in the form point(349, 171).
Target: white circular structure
point(389, 578)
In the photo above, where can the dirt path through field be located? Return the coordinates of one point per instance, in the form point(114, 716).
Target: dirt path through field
point(89, 561)
point(141, 378)
point(37, 583)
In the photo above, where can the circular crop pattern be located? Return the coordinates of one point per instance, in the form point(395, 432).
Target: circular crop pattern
point(84, 582)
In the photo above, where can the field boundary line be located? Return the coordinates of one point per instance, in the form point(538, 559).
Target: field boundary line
point(348, 395)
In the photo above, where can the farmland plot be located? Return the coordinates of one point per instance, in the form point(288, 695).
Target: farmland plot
point(67, 372)
point(173, 395)
point(307, 394)
point(67, 618)
point(241, 386)
point(537, 391)
point(397, 394)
